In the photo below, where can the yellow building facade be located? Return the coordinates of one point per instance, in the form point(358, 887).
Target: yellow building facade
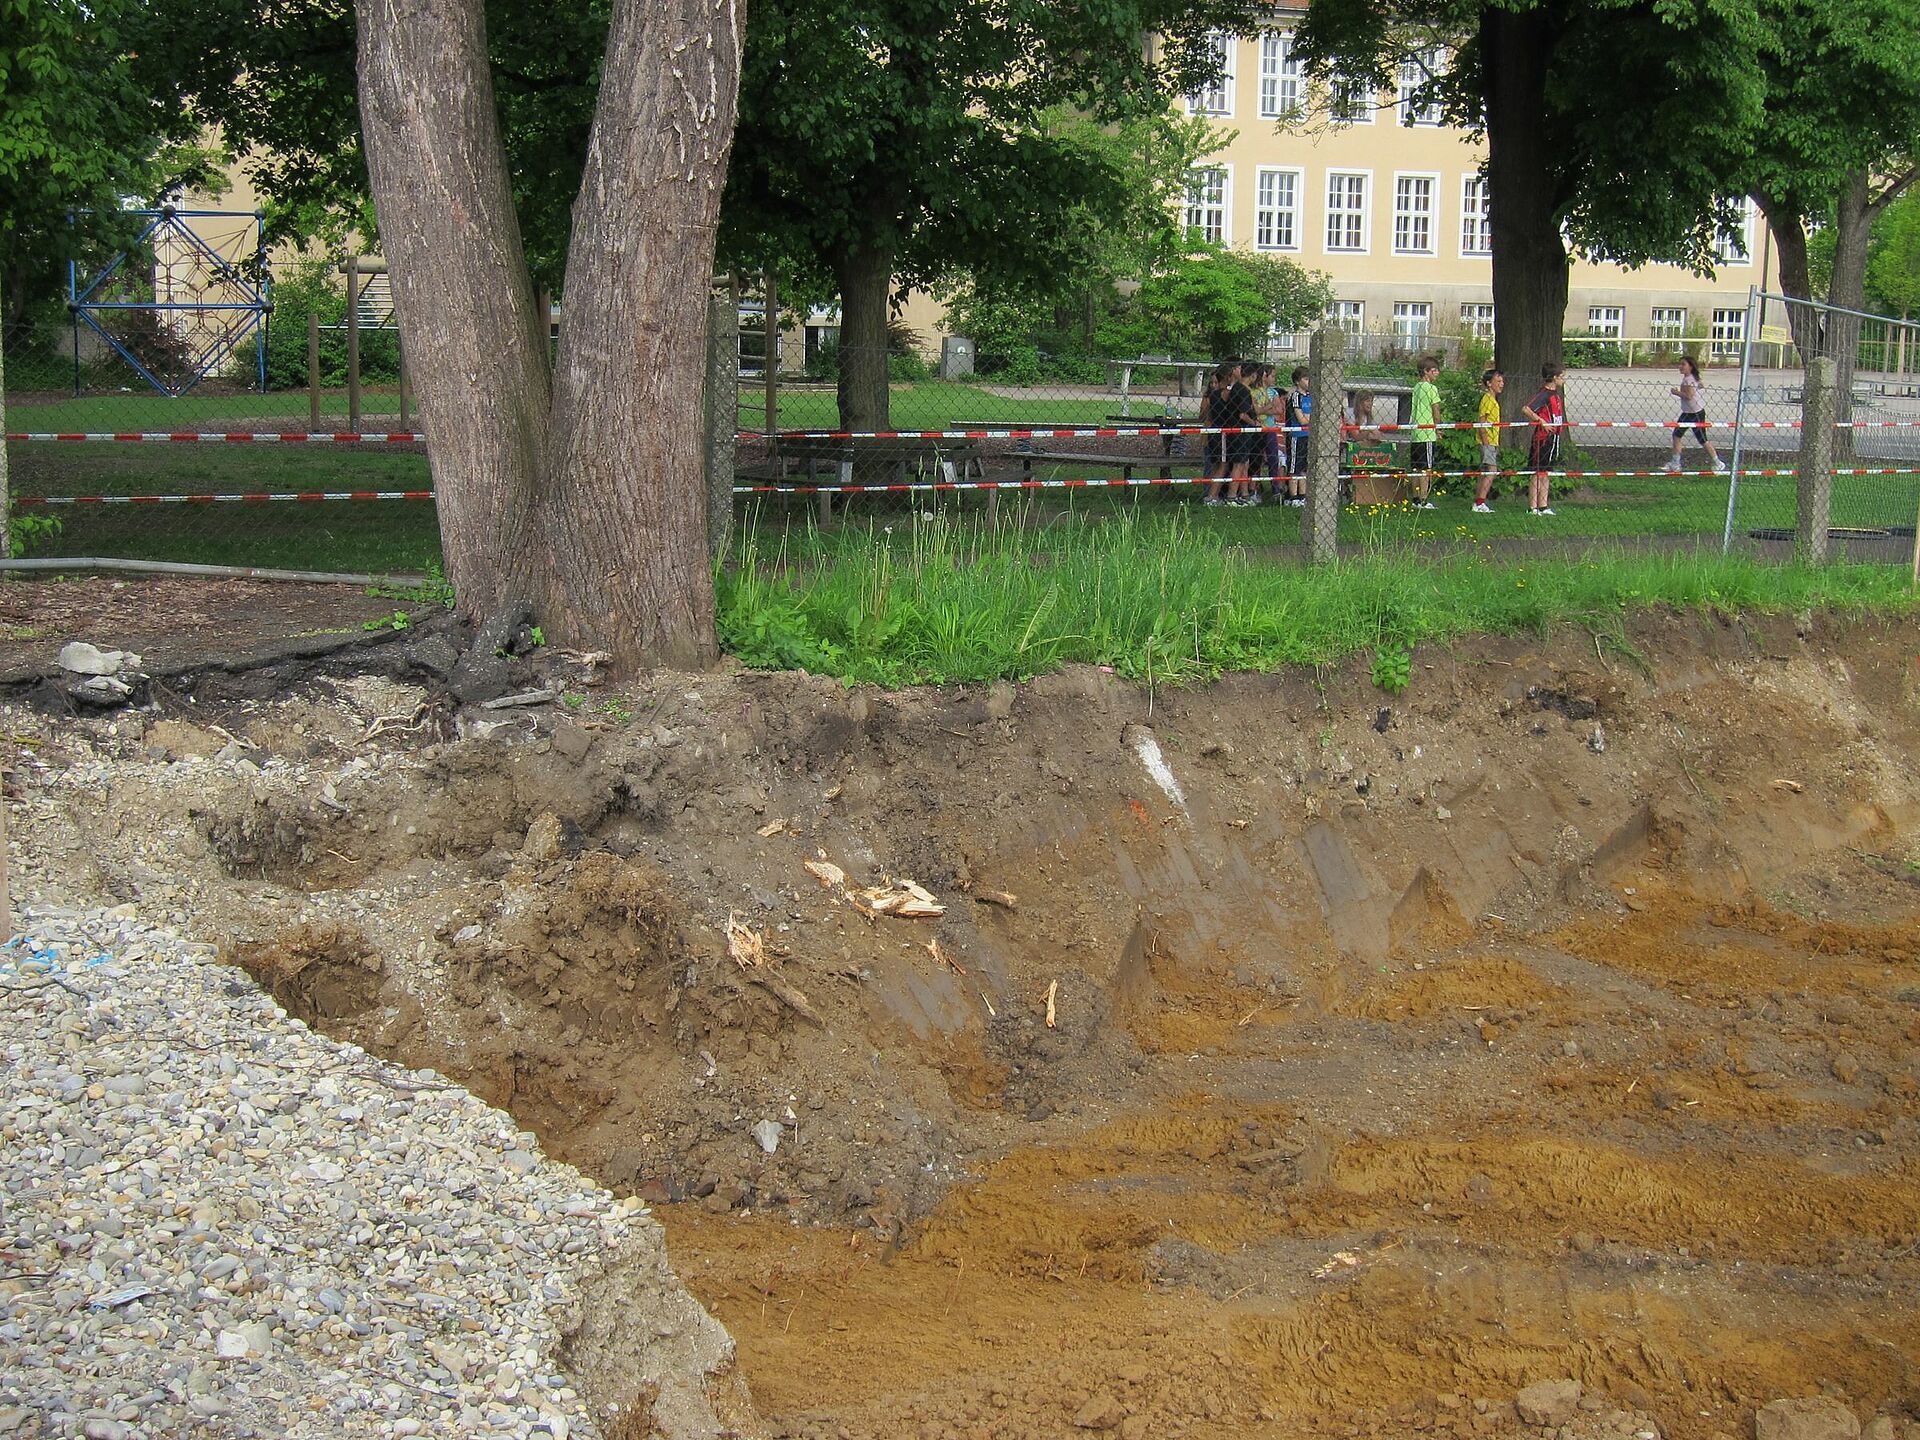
point(1387, 201)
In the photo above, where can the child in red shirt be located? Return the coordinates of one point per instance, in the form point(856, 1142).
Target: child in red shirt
point(1547, 411)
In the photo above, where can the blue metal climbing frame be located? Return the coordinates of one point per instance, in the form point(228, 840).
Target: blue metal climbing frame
point(206, 293)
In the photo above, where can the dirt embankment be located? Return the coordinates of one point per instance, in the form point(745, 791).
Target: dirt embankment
point(1288, 1058)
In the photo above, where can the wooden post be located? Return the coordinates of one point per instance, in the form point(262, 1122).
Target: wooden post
point(353, 343)
point(1326, 440)
point(313, 370)
point(1814, 500)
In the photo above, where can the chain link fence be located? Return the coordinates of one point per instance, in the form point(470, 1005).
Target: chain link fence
point(1863, 482)
point(833, 433)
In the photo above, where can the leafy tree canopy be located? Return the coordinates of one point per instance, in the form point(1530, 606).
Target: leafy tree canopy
point(1645, 108)
point(78, 131)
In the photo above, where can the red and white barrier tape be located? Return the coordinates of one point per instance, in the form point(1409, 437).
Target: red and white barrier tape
point(906, 486)
point(1077, 432)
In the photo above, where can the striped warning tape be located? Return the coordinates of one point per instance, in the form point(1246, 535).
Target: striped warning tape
point(1055, 432)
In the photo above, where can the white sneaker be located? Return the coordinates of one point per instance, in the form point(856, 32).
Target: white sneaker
point(1544, 510)
point(1426, 505)
point(1213, 500)
point(1483, 509)
point(1719, 467)
point(1673, 466)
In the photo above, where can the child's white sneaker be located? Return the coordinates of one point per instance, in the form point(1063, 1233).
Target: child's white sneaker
point(1673, 466)
point(1483, 509)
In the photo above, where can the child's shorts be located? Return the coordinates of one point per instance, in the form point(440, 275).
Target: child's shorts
point(1489, 457)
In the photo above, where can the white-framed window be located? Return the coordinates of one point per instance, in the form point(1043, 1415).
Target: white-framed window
point(1350, 100)
point(1668, 322)
point(1734, 246)
point(1413, 214)
point(1282, 79)
point(1412, 320)
point(1608, 320)
point(1415, 71)
point(1728, 331)
point(1476, 319)
point(1276, 209)
point(1476, 220)
point(1210, 202)
point(1281, 343)
point(1347, 210)
point(1217, 97)
point(1349, 315)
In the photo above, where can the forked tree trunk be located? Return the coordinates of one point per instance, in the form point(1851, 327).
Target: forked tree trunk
point(461, 290)
point(580, 492)
point(1530, 269)
point(865, 278)
point(624, 510)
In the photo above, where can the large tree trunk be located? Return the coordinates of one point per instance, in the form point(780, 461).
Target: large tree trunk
point(865, 277)
point(592, 505)
point(1530, 270)
point(624, 511)
point(461, 291)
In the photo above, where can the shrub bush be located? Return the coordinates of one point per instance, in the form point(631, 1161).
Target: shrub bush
point(309, 287)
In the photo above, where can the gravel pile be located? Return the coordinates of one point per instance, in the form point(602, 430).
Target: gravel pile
point(215, 1222)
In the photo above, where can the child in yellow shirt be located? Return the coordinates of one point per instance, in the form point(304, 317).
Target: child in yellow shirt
point(1488, 433)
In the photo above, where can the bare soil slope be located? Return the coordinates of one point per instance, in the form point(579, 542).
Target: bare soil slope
point(1381, 1057)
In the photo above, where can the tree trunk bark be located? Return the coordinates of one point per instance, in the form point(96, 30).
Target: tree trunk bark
point(583, 495)
point(1530, 268)
point(623, 515)
point(462, 294)
point(865, 277)
point(1796, 281)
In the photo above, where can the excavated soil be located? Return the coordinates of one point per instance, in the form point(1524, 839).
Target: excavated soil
point(1556, 1018)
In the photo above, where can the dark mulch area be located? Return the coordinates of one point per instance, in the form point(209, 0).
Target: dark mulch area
point(176, 624)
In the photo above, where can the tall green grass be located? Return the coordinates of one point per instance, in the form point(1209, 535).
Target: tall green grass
point(1157, 600)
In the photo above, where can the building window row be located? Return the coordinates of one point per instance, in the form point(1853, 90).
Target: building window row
point(1283, 85)
point(1279, 210)
point(1412, 322)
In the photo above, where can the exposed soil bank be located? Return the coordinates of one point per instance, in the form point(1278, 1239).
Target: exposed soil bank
point(1555, 1018)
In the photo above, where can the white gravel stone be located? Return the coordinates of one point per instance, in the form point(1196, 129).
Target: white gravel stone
point(218, 1222)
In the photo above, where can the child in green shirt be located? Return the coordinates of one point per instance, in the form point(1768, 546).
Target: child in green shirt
point(1425, 415)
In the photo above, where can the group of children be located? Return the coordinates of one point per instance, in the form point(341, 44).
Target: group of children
point(1243, 397)
point(1242, 393)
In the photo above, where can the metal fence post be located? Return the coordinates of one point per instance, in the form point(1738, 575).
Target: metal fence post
point(1740, 414)
point(722, 415)
point(313, 370)
point(353, 343)
point(1819, 405)
point(1326, 439)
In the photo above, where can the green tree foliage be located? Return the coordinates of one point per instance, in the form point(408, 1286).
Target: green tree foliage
point(1216, 302)
point(885, 141)
point(79, 130)
point(1893, 259)
point(1612, 124)
point(1842, 123)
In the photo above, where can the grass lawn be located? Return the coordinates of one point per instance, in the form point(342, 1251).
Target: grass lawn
point(924, 405)
point(145, 410)
point(1159, 598)
point(376, 537)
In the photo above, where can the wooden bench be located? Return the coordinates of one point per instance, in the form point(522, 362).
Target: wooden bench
point(1125, 464)
point(877, 462)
